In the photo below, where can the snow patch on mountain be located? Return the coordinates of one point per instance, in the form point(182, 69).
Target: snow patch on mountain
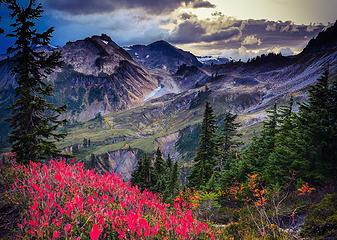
point(208, 60)
point(167, 85)
point(153, 93)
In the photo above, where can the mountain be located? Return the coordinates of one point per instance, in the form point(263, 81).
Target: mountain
point(98, 77)
point(324, 40)
point(188, 77)
point(144, 109)
point(36, 47)
point(161, 56)
point(172, 121)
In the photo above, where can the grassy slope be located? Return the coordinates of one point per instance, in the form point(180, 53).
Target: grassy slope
point(140, 128)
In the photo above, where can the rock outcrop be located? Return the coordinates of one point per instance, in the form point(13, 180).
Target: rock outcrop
point(120, 162)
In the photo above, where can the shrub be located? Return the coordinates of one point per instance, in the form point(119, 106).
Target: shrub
point(321, 221)
point(66, 201)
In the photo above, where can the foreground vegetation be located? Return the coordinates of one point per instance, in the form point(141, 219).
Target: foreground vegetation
point(262, 190)
point(60, 200)
point(66, 201)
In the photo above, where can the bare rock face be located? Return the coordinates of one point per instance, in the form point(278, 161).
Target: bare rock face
point(120, 162)
point(167, 145)
point(94, 56)
point(98, 77)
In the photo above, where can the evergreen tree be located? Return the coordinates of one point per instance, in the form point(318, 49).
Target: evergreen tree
point(286, 115)
point(159, 173)
point(212, 183)
point(168, 175)
point(172, 180)
point(267, 139)
point(305, 143)
point(317, 125)
point(207, 152)
point(228, 139)
point(143, 173)
point(169, 163)
point(93, 162)
point(255, 156)
point(34, 120)
point(288, 148)
point(174, 184)
point(136, 176)
point(148, 173)
point(159, 163)
point(333, 110)
point(270, 127)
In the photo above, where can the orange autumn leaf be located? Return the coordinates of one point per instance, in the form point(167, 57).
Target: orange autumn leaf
point(305, 189)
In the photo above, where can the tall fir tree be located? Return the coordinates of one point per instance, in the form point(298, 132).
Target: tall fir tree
point(93, 162)
point(317, 125)
point(286, 116)
point(173, 183)
point(228, 140)
point(169, 163)
point(333, 125)
point(255, 157)
point(270, 127)
point(142, 176)
point(168, 174)
point(34, 120)
point(137, 175)
point(159, 173)
point(207, 152)
point(288, 148)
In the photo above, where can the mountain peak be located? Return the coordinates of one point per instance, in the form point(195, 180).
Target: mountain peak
point(105, 39)
point(325, 39)
point(162, 56)
point(95, 55)
point(162, 45)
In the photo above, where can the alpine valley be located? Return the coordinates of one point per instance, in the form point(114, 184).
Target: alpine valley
point(123, 102)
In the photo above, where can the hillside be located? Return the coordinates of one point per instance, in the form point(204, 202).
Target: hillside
point(131, 126)
point(245, 88)
point(98, 77)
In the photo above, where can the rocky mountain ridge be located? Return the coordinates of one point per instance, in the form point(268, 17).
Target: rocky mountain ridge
point(140, 109)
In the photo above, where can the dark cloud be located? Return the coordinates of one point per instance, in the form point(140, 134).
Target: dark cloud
point(202, 4)
point(221, 32)
point(188, 32)
point(222, 35)
point(185, 16)
point(154, 7)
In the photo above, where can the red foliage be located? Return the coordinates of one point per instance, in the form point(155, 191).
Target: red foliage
point(66, 201)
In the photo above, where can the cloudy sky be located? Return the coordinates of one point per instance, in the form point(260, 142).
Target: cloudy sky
point(230, 28)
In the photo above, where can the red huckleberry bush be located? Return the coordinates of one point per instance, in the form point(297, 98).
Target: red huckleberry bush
point(66, 201)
